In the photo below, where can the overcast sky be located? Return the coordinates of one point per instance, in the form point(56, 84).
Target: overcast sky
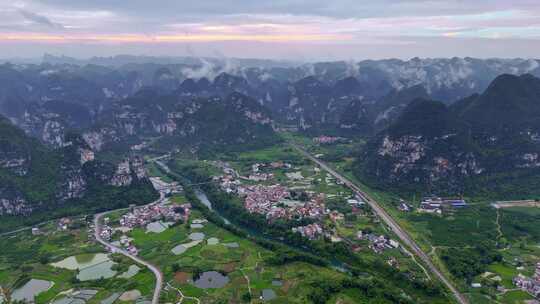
point(279, 29)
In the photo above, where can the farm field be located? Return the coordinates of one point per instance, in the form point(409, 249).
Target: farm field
point(460, 237)
point(205, 262)
point(27, 258)
point(278, 162)
point(242, 264)
point(311, 178)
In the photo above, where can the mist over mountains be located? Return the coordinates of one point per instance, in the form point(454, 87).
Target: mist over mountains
point(449, 124)
point(306, 95)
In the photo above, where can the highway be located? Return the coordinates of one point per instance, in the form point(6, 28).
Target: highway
point(157, 273)
point(400, 232)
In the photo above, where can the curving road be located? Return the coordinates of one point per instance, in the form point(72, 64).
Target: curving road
point(157, 273)
point(400, 232)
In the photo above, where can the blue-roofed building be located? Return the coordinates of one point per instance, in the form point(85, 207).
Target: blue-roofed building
point(459, 204)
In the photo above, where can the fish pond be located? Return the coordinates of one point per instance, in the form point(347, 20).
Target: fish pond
point(90, 266)
point(157, 227)
point(31, 289)
point(211, 279)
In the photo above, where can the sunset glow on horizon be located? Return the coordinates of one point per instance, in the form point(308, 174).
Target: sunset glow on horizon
point(346, 28)
point(29, 37)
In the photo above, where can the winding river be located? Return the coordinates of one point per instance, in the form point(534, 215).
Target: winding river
point(205, 201)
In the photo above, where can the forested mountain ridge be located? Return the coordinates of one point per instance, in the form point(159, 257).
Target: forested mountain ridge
point(38, 182)
point(487, 142)
point(186, 122)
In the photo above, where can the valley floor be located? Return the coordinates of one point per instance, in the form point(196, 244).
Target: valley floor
point(204, 262)
point(460, 240)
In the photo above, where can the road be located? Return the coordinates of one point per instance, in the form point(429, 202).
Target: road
point(164, 156)
point(24, 229)
point(400, 232)
point(163, 166)
point(157, 273)
point(34, 226)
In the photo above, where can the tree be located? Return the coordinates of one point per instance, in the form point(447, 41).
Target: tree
point(44, 259)
point(246, 297)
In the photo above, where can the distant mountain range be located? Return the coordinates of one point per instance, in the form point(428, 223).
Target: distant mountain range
point(444, 79)
point(120, 60)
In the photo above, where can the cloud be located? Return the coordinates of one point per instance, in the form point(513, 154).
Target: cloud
point(40, 19)
point(279, 18)
point(334, 27)
point(183, 9)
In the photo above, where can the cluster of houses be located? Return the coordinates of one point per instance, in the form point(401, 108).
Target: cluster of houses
point(311, 231)
point(141, 216)
point(530, 285)
point(325, 140)
point(228, 183)
point(336, 216)
point(128, 245)
point(258, 176)
point(356, 201)
point(277, 201)
point(63, 223)
point(378, 243)
point(261, 199)
point(273, 165)
point(274, 202)
point(229, 180)
point(106, 232)
point(434, 204)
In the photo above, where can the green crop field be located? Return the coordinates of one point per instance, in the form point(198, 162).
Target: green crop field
point(515, 297)
point(245, 261)
point(459, 239)
point(312, 179)
point(25, 256)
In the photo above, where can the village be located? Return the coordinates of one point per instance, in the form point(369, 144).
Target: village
point(160, 214)
point(530, 285)
point(274, 201)
point(294, 197)
point(328, 140)
point(155, 217)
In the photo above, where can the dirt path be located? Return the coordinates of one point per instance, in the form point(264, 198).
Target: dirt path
point(498, 223)
point(248, 283)
point(417, 263)
point(182, 296)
